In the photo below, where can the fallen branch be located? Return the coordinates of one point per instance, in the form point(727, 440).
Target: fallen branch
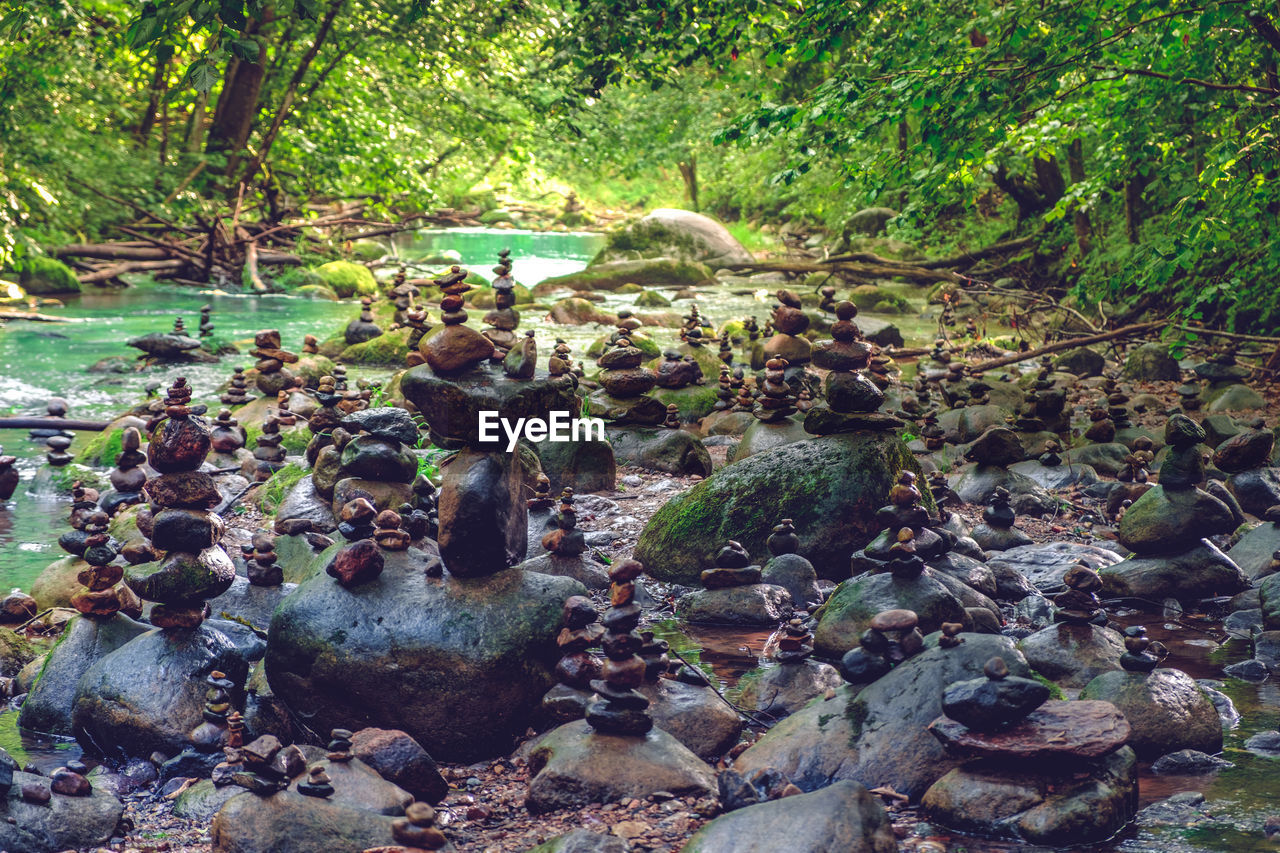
point(869, 270)
point(251, 261)
point(117, 270)
point(1235, 336)
point(1124, 331)
point(33, 317)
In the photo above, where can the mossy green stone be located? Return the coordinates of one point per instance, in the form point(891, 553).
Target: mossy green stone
point(347, 279)
point(388, 349)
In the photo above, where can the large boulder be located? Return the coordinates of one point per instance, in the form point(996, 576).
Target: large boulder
point(459, 664)
point(288, 822)
point(878, 736)
point(830, 486)
point(1199, 572)
point(48, 706)
point(671, 451)
point(1166, 709)
point(614, 274)
point(1071, 654)
point(675, 233)
point(584, 466)
point(844, 817)
point(1165, 521)
point(41, 276)
point(63, 823)
point(1045, 564)
point(855, 603)
point(1151, 363)
point(347, 279)
point(574, 765)
point(149, 694)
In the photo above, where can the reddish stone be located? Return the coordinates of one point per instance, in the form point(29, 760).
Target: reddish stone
point(357, 563)
point(1055, 730)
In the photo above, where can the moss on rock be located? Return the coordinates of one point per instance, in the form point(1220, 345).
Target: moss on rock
point(40, 276)
point(347, 279)
point(388, 349)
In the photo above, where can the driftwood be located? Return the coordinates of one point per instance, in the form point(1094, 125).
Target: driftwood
point(1124, 331)
point(32, 316)
point(53, 423)
point(870, 269)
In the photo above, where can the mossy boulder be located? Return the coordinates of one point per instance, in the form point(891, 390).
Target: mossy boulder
point(870, 297)
point(652, 299)
point(669, 232)
point(388, 349)
point(830, 486)
point(40, 276)
point(317, 291)
point(694, 402)
point(54, 586)
point(367, 250)
point(614, 274)
point(347, 279)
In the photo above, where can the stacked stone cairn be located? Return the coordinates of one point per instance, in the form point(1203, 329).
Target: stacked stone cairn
point(456, 347)
point(268, 456)
point(997, 531)
point(226, 435)
point(777, 400)
point(192, 567)
point(84, 502)
point(128, 477)
point(577, 667)
point(789, 324)
point(363, 328)
point(272, 373)
point(236, 394)
point(402, 295)
point(206, 321)
point(788, 569)
point(675, 371)
point(57, 454)
point(417, 830)
point(892, 637)
point(851, 398)
point(735, 593)
point(1246, 459)
point(503, 320)
point(379, 460)
point(623, 398)
point(1080, 605)
point(621, 709)
point(101, 596)
point(1032, 766)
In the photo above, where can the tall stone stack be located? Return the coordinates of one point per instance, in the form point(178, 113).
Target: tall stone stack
point(192, 567)
point(128, 477)
point(624, 396)
point(268, 456)
point(101, 596)
point(789, 324)
point(457, 347)
point(378, 462)
point(273, 375)
point(503, 320)
point(621, 709)
point(363, 328)
point(236, 394)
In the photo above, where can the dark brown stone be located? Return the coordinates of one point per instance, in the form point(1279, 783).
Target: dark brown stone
point(357, 563)
point(1056, 730)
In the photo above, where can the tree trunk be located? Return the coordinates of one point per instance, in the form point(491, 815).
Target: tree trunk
point(1049, 180)
point(1133, 205)
point(291, 92)
point(689, 172)
point(196, 124)
point(1079, 218)
point(238, 102)
point(156, 92)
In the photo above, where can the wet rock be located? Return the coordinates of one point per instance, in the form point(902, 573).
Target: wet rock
point(754, 604)
point(1151, 363)
point(584, 466)
point(203, 800)
point(1055, 732)
point(1200, 572)
point(575, 765)
point(1234, 398)
point(583, 841)
point(1264, 743)
point(1167, 711)
point(400, 637)
point(797, 576)
point(1182, 810)
point(850, 609)
point(1055, 476)
point(288, 822)
point(1248, 670)
point(1257, 490)
point(672, 451)
point(787, 688)
point(1073, 654)
point(693, 715)
point(148, 694)
point(843, 816)
point(49, 705)
point(305, 504)
point(1052, 806)
point(585, 571)
point(763, 437)
point(878, 737)
point(59, 822)
point(1188, 762)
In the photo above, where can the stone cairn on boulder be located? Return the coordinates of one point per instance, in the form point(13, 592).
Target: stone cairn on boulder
point(128, 477)
point(260, 561)
point(796, 644)
point(272, 373)
point(851, 398)
point(206, 321)
point(361, 560)
point(378, 460)
point(325, 419)
point(891, 637)
point(521, 362)
point(1079, 605)
point(57, 454)
point(9, 476)
point(997, 531)
point(416, 831)
point(456, 347)
point(672, 420)
point(1138, 462)
point(676, 371)
point(564, 539)
point(70, 780)
point(503, 320)
point(621, 709)
point(101, 596)
point(559, 363)
point(236, 394)
point(191, 567)
point(363, 328)
point(777, 401)
point(578, 667)
point(902, 515)
point(84, 502)
point(402, 295)
point(1103, 429)
point(268, 456)
point(789, 324)
point(724, 388)
point(625, 386)
point(226, 435)
point(788, 569)
point(263, 766)
point(1032, 765)
point(733, 568)
point(310, 345)
point(735, 593)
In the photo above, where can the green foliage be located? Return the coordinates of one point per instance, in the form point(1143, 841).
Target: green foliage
point(274, 490)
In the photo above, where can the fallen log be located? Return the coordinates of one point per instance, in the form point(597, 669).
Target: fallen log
point(33, 317)
point(1123, 331)
point(110, 252)
point(870, 270)
point(117, 270)
point(53, 423)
